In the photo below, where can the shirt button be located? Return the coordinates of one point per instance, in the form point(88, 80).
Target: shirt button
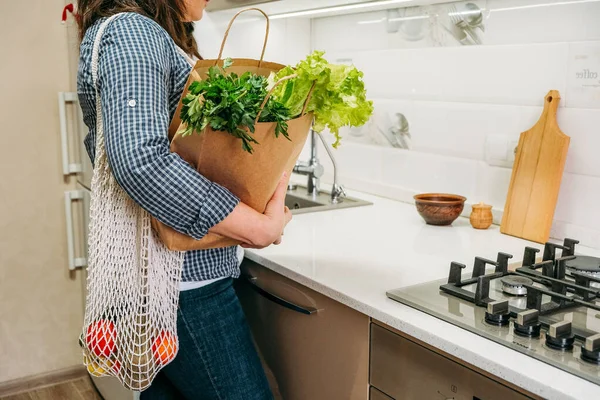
point(132, 103)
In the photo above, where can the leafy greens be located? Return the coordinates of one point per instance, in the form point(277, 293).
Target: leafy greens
point(228, 102)
point(231, 103)
point(338, 98)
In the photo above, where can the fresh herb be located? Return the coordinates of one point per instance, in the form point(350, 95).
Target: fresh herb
point(231, 103)
point(338, 98)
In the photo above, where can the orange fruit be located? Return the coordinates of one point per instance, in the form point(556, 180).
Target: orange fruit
point(164, 347)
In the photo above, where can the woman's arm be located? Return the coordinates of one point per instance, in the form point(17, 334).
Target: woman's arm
point(134, 77)
point(254, 229)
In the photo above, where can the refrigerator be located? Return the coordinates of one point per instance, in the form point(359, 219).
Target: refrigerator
point(77, 168)
point(76, 165)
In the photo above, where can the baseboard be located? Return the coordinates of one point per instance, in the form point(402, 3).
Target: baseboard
point(35, 382)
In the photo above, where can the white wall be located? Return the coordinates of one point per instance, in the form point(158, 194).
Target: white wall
point(288, 43)
point(467, 104)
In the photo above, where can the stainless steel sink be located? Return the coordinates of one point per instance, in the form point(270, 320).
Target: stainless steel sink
point(300, 202)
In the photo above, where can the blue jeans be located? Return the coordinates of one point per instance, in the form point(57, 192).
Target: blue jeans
point(217, 358)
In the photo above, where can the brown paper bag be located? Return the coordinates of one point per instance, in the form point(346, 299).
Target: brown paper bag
point(219, 156)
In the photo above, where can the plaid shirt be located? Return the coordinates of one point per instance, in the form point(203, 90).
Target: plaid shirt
point(141, 76)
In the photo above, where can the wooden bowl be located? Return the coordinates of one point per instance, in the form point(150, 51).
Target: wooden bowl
point(439, 208)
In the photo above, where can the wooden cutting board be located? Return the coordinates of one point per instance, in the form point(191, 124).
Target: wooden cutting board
point(536, 177)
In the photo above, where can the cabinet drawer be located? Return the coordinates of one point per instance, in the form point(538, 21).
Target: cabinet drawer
point(315, 347)
point(375, 394)
point(408, 371)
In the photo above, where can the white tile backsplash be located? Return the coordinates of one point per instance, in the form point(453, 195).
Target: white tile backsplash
point(590, 21)
point(474, 74)
point(289, 40)
point(504, 22)
point(361, 162)
point(352, 32)
point(583, 126)
point(459, 99)
point(463, 129)
point(583, 78)
point(422, 172)
point(534, 21)
point(297, 41)
point(492, 185)
point(572, 206)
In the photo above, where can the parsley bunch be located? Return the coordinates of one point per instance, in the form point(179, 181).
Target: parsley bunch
point(230, 103)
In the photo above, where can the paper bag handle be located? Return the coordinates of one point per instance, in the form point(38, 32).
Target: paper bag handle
point(262, 55)
point(285, 78)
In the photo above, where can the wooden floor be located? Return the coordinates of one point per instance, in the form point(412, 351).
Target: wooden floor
point(80, 389)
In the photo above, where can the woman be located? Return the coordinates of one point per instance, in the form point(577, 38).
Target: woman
point(143, 66)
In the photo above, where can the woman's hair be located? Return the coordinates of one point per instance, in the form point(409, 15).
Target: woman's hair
point(170, 14)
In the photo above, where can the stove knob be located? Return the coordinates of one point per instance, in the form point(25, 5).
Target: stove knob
point(590, 351)
point(528, 324)
point(559, 336)
point(497, 313)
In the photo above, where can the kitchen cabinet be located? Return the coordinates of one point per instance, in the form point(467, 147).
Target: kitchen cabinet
point(403, 369)
point(375, 394)
point(312, 346)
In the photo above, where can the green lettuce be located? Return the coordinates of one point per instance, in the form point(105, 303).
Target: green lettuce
point(339, 97)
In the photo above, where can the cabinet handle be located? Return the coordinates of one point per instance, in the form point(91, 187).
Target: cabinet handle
point(74, 262)
point(275, 299)
point(68, 167)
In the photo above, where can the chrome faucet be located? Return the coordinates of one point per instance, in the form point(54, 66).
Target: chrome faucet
point(314, 170)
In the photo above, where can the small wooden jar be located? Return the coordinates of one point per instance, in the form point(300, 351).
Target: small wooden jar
point(481, 216)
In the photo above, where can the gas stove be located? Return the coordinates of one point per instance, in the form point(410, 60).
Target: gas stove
point(547, 308)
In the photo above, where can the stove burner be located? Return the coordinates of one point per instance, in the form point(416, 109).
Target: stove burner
point(515, 285)
point(560, 336)
point(531, 331)
point(497, 320)
point(590, 351)
point(498, 313)
point(590, 356)
point(585, 264)
point(560, 343)
point(528, 324)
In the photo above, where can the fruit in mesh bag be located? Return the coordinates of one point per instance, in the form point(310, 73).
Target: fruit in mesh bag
point(101, 366)
point(164, 347)
point(141, 368)
point(101, 338)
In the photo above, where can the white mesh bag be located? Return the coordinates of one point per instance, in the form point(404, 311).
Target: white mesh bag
point(130, 327)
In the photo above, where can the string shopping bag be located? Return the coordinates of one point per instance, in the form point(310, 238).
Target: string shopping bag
point(130, 324)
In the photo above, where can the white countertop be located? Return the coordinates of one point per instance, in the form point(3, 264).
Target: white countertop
point(355, 255)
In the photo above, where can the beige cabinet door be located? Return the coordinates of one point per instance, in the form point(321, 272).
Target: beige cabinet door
point(312, 346)
point(405, 370)
point(377, 395)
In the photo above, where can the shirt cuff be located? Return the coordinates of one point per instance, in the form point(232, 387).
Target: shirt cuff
point(219, 203)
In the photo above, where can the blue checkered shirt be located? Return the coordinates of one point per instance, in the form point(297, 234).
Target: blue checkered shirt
point(141, 76)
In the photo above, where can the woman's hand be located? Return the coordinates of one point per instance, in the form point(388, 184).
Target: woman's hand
point(277, 212)
point(255, 230)
point(288, 216)
point(277, 216)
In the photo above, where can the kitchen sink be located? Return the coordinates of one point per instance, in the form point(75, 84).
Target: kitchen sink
point(300, 202)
